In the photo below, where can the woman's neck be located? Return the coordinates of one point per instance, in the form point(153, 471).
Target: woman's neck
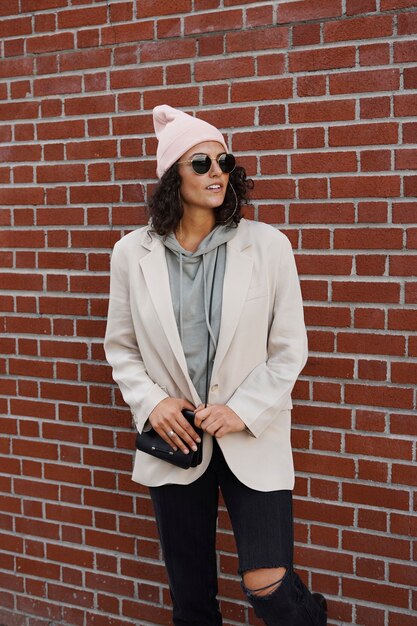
point(192, 229)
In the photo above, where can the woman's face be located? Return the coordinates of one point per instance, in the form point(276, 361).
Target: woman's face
point(203, 191)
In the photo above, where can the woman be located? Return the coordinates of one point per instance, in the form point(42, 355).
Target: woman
point(198, 250)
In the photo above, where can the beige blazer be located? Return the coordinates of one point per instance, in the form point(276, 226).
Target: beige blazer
point(262, 348)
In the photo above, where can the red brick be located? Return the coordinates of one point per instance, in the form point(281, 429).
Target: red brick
point(388, 5)
point(321, 464)
point(368, 186)
point(227, 118)
point(368, 238)
point(94, 194)
point(57, 85)
point(18, 110)
point(303, 10)
point(311, 85)
point(410, 78)
point(374, 54)
point(321, 559)
point(375, 592)
point(404, 524)
point(373, 520)
point(168, 50)
point(121, 33)
point(259, 16)
point(280, 88)
point(363, 134)
point(62, 391)
point(16, 67)
point(82, 17)
point(15, 27)
point(305, 34)
point(405, 105)
point(401, 618)
point(323, 162)
point(373, 26)
point(362, 81)
point(180, 97)
point(268, 139)
point(92, 149)
point(122, 12)
point(371, 495)
point(50, 43)
point(375, 160)
point(371, 265)
point(41, 5)
point(371, 568)
point(402, 320)
point(139, 77)
point(407, 23)
point(360, 6)
point(373, 395)
point(305, 112)
point(318, 239)
point(404, 474)
point(379, 447)
point(11, 8)
point(372, 370)
point(319, 264)
point(210, 22)
point(324, 58)
point(369, 318)
point(229, 68)
point(57, 173)
point(146, 8)
point(372, 108)
point(356, 291)
point(310, 137)
point(83, 59)
point(259, 39)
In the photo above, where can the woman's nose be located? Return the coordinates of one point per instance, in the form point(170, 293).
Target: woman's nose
point(215, 169)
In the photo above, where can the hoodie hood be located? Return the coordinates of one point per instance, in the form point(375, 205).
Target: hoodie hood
point(195, 279)
point(219, 235)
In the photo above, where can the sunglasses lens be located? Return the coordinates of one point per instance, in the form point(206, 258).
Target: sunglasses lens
point(201, 163)
point(227, 163)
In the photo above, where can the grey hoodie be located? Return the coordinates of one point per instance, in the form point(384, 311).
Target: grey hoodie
point(190, 277)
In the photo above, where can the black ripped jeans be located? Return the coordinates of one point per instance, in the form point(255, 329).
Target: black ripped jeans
point(263, 528)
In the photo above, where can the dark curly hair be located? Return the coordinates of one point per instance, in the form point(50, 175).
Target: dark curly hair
point(165, 208)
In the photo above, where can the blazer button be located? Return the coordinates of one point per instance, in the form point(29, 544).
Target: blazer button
point(214, 388)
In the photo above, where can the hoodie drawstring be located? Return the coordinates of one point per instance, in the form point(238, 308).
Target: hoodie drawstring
point(181, 306)
point(206, 309)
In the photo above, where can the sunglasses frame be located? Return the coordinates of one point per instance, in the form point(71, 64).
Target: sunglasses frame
point(223, 154)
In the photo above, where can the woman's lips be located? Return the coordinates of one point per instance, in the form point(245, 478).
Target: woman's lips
point(215, 188)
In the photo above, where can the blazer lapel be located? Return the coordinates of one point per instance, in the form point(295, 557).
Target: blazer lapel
point(236, 283)
point(155, 272)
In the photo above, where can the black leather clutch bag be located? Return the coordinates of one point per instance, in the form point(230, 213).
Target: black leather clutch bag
point(150, 442)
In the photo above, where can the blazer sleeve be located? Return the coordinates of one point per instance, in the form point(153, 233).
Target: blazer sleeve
point(267, 389)
point(121, 347)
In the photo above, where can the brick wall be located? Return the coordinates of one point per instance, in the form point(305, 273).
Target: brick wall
point(319, 100)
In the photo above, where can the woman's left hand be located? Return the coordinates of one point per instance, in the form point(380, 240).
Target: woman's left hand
point(218, 420)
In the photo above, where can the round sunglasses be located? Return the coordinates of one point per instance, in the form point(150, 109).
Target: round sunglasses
point(201, 163)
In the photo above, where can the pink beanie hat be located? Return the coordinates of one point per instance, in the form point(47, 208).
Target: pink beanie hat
point(177, 132)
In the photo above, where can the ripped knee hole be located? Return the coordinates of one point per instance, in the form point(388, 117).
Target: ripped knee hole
point(269, 579)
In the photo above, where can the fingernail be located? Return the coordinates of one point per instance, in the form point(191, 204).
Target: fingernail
point(194, 448)
point(186, 451)
point(198, 440)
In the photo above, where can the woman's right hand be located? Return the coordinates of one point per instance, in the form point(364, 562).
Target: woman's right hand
point(168, 421)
